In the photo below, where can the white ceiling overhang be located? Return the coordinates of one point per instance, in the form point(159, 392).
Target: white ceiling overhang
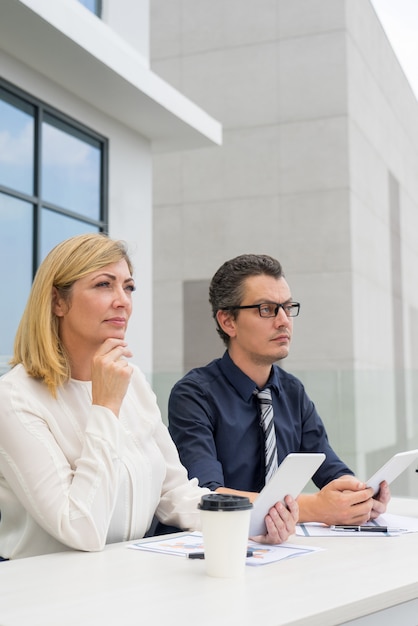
point(73, 48)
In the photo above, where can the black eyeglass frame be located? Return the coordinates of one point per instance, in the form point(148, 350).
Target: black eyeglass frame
point(292, 307)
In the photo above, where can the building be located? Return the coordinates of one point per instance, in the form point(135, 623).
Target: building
point(318, 168)
point(80, 114)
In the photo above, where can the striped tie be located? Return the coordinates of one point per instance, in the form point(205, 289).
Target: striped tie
point(267, 422)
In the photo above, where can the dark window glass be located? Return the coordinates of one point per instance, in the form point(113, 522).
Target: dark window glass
point(53, 225)
point(16, 143)
point(70, 168)
point(16, 260)
point(53, 180)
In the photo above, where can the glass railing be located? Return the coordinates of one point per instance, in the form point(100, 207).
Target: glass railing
point(369, 415)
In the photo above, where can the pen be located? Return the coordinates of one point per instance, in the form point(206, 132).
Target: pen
point(362, 529)
point(201, 555)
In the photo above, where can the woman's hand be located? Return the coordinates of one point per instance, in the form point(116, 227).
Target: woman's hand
point(111, 374)
point(280, 521)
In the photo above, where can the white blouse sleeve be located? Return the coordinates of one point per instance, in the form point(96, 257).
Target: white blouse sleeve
point(180, 496)
point(73, 503)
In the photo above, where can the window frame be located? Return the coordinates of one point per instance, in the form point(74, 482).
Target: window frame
point(43, 110)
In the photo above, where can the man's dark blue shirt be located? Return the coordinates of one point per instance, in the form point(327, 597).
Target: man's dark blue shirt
point(214, 421)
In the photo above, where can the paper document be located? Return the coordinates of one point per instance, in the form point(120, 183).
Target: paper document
point(180, 544)
point(189, 543)
point(263, 554)
point(395, 524)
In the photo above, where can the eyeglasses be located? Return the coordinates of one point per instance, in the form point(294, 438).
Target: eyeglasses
point(270, 309)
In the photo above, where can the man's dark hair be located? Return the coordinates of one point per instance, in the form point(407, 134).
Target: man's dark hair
point(227, 285)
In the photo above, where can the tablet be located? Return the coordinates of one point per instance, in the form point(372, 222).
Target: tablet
point(391, 470)
point(290, 478)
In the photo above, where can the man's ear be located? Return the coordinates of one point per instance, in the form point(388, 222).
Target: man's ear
point(226, 321)
point(58, 304)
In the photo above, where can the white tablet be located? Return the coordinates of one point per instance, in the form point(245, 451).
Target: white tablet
point(290, 478)
point(391, 470)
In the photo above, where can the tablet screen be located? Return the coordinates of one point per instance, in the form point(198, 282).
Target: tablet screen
point(290, 478)
point(392, 468)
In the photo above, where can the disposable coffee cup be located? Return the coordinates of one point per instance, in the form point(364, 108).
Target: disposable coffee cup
point(225, 528)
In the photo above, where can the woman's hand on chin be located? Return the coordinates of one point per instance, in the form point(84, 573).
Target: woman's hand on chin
point(110, 374)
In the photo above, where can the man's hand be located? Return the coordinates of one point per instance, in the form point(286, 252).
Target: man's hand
point(380, 501)
point(344, 500)
point(111, 374)
point(280, 521)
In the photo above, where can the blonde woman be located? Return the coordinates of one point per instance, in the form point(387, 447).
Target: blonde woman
point(85, 459)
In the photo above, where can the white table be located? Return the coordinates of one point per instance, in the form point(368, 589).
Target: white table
point(359, 581)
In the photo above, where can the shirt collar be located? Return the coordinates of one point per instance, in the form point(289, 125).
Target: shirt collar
point(242, 383)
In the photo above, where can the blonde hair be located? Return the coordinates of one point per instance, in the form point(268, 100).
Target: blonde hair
point(37, 344)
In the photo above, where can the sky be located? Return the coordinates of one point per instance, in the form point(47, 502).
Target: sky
point(399, 19)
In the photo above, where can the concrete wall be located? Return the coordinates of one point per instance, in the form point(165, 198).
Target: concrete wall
point(275, 75)
point(318, 169)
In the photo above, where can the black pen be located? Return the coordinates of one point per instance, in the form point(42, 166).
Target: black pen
point(362, 529)
point(201, 555)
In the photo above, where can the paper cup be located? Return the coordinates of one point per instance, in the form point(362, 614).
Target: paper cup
point(225, 528)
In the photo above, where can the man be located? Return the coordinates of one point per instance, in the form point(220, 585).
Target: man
point(214, 413)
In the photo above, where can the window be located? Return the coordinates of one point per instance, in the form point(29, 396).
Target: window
point(95, 6)
point(53, 181)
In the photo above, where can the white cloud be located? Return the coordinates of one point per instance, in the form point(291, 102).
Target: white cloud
point(17, 149)
point(60, 148)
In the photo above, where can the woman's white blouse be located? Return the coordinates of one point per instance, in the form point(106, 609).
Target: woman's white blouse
point(74, 476)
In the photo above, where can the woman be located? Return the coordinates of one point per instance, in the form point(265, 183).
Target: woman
point(85, 459)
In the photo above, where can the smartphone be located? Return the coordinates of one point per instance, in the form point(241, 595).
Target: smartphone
point(392, 469)
point(289, 479)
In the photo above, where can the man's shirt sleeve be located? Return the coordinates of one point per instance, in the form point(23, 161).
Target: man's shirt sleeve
point(191, 425)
